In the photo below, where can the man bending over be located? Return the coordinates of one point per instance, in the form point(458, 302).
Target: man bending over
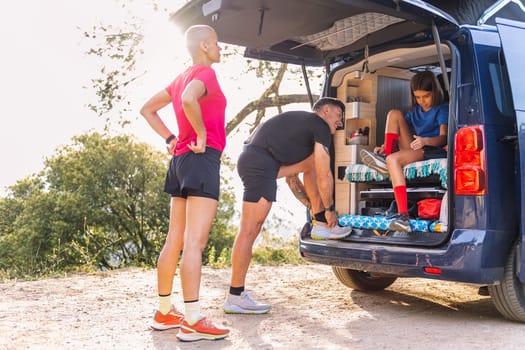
point(287, 144)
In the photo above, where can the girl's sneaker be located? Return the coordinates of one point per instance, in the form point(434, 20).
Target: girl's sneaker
point(400, 222)
point(202, 329)
point(374, 161)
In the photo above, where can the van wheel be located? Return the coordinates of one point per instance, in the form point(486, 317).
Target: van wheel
point(509, 296)
point(362, 280)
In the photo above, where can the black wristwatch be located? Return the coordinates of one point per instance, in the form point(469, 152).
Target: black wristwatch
point(330, 208)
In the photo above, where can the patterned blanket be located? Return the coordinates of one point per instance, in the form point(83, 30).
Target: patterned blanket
point(424, 168)
point(381, 223)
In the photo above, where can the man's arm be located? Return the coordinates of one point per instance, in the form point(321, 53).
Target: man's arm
point(325, 181)
point(298, 189)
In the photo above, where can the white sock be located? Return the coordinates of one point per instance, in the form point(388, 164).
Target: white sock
point(192, 312)
point(165, 304)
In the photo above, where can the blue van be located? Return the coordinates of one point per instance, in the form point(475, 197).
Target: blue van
point(369, 50)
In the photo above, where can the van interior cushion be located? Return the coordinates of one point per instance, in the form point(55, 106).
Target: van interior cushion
point(381, 222)
point(421, 169)
point(349, 30)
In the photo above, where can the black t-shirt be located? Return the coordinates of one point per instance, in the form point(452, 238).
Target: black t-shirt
point(290, 136)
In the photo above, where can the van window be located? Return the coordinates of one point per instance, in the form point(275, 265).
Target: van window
point(500, 85)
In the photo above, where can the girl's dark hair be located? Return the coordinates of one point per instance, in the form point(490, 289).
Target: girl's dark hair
point(426, 81)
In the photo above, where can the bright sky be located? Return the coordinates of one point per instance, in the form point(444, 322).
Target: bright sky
point(43, 70)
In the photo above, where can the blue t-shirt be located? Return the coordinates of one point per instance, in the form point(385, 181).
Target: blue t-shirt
point(426, 124)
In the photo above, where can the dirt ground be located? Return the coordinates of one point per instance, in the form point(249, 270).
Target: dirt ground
point(311, 310)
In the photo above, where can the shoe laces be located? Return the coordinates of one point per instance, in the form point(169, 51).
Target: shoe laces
point(319, 224)
point(401, 217)
point(247, 296)
point(338, 229)
point(175, 312)
point(208, 323)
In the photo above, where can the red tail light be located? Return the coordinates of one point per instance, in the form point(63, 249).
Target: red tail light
point(432, 270)
point(469, 161)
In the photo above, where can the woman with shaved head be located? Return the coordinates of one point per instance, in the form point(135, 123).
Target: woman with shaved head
point(192, 181)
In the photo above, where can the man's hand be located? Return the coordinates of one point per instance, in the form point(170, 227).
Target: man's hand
point(298, 190)
point(331, 218)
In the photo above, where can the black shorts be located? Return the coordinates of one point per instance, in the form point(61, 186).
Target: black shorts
point(258, 171)
point(194, 174)
point(433, 152)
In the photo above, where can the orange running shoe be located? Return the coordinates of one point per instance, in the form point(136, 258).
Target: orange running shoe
point(172, 319)
point(203, 329)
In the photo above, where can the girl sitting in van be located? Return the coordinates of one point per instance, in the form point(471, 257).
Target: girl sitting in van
point(417, 134)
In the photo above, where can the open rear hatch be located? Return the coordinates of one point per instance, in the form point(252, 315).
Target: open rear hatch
point(337, 34)
point(312, 32)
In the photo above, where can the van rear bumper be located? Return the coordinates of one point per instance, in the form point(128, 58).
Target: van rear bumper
point(471, 256)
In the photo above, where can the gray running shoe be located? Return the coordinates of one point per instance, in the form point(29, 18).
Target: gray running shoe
point(400, 222)
point(321, 232)
point(244, 304)
point(374, 161)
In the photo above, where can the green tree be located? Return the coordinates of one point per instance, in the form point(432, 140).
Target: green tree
point(97, 204)
point(93, 205)
point(117, 184)
point(17, 241)
point(119, 50)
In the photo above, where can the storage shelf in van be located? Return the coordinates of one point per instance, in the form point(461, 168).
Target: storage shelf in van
point(419, 192)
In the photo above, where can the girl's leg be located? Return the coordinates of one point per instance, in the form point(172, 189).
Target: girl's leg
point(395, 163)
point(396, 131)
point(396, 124)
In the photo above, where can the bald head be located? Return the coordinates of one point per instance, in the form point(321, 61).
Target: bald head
point(197, 34)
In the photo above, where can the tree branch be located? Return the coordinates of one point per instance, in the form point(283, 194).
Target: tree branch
point(266, 102)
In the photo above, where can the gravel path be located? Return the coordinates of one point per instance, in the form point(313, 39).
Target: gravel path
point(311, 310)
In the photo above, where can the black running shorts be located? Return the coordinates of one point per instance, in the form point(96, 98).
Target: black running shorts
point(258, 171)
point(194, 174)
point(432, 152)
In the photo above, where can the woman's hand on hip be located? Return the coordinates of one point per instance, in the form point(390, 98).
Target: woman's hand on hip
point(199, 146)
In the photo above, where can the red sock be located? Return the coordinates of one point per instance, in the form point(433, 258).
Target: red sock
point(390, 142)
point(400, 193)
